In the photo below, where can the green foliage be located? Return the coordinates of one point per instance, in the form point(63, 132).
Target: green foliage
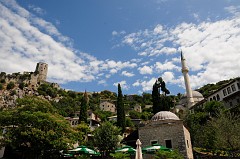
point(34, 127)
point(160, 102)
point(3, 81)
point(168, 155)
point(194, 123)
point(147, 98)
point(227, 128)
point(72, 94)
point(134, 114)
point(67, 106)
point(219, 128)
point(13, 92)
point(103, 115)
point(207, 89)
point(129, 123)
point(146, 115)
point(108, 95)
point(120, 155)
point(83, 157)
point(10, 85)
point(106, 137)
point(83, 130)
point(156, 99)
point(35, 104)
point(21, 85)
point(2, 74)
point(213, 107)
point(83, 109)
point(120, 110)
point(94, 101)
point(1, 86)
point(46, 89)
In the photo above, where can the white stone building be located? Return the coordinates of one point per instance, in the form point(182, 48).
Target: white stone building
point(229, 94)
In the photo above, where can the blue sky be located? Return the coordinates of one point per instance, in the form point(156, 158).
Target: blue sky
point(93, 45)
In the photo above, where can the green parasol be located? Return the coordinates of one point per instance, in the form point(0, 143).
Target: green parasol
point(126, 149)
point(154, 148)
point(83, 150)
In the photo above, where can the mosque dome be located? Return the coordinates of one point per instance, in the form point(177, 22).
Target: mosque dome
point(195, 94)
point(164, 115)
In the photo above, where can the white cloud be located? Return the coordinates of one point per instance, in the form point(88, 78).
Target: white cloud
point(128, 74)
point(145, 70)
point(211, 48)
point(233, 9)
point(37, 9)
point(114, 33)
point(168, 76)
point(158, 29)
point(102, 82)
point(26, 39)
point(168, 65)
point(146, 85)
point(123, 85)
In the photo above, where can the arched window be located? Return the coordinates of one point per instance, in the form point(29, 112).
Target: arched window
point(218, 97)
point(214, 98)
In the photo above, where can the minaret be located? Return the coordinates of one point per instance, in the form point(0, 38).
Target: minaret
point(187, 81)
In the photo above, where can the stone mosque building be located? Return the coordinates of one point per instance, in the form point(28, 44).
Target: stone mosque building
point(165, 128)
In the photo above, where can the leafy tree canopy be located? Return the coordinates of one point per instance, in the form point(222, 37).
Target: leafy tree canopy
point(106, 137)
point(35, 127)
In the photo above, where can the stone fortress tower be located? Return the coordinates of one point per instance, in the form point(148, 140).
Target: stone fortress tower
point(41, 69)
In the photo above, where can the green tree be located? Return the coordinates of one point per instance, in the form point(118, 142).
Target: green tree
point(21, 85)
point(83, 109)
point(213, 107)
point(120, 155)
point(83, 131)
point(227, 127)
point(147, 98)
point(1, 86)
point(10, 85)
point(2, 81)
point(120, 110)
point(103, 115)
point(106, 137)
point(194, 123)
point(67, 106)
point(34, 128)
point(156, 99)
point(168, 155)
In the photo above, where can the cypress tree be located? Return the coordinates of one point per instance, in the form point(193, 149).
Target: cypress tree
point(156, 99)
point(83, 108)
point(160, 102)
point(120, 110)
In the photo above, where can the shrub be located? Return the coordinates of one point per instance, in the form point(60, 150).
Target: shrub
point(10, 85)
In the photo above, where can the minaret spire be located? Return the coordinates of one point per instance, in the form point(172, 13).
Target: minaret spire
point(187, 81)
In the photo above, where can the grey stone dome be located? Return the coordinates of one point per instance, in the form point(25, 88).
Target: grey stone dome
point(195, 94)
point(164, 115)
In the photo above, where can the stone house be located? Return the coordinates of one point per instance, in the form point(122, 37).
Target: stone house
point(138, 108)
point(107, 106)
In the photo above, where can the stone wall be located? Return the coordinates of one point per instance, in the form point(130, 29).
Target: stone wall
point(160, 131)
